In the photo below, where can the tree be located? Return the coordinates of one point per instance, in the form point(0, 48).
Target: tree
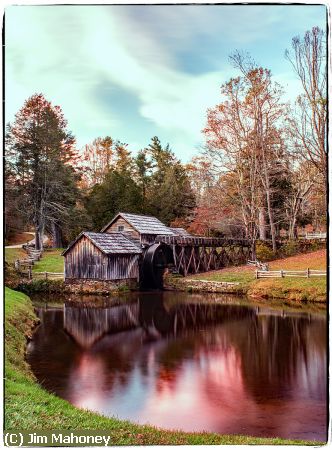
point(118, 192)
point(143, 176)
point(301, 183)
point(97, 160)
point(14, 219)
point(123, 160)
point(308, 127)
point(244, 137)
point(38, 148)
point(170, 195)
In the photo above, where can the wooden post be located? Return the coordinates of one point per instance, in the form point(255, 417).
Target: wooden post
point(256, 274)
point(308, 272)
point(281, 273)
point(45, 275)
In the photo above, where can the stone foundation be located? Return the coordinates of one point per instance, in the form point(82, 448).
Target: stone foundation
point(195, 285)
point(88, 286)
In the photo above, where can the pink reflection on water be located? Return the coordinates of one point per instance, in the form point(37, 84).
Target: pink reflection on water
point(185, 405)
point(86, 381)
point(206, 392)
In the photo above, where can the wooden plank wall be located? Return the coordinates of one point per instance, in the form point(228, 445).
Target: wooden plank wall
point(85, 260)
point(127, 228)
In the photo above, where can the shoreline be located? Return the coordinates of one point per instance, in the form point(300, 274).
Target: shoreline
point(29, 406)
point(257, 289)
point(262, 289)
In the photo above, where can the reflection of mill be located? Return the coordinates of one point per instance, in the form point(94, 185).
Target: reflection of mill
point(88, 324)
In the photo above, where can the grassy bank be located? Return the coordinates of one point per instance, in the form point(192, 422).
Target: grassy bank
point(293, 289)
point(12, 254)
point(29, 406)
point(51, 261)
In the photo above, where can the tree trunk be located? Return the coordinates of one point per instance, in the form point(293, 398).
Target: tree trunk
point(37, 238)
point(262, 223)
point(271, 220)
point(57, 235)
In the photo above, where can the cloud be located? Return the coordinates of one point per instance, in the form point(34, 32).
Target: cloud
point(74, 54)
point(44, 53)
point(173, 100)
point(69, 71)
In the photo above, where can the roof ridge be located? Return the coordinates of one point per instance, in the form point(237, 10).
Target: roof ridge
point(143, 224)
point(108, 243)
point(140, 215)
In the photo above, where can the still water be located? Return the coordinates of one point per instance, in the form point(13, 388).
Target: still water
point(188, 361)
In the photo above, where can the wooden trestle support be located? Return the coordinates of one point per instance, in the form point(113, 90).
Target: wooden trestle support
point(199, 254)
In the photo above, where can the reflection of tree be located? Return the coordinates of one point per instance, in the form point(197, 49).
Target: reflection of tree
point(274, 350)
point(51, 353)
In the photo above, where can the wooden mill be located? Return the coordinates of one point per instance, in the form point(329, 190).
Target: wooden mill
point(137, 247)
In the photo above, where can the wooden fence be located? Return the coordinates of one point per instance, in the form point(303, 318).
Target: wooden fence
point(307, 273)
point(45, 275)
point(317, 235)
point(260, 265)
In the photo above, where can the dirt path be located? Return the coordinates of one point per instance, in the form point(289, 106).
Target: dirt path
point(20, 245)
point(31, 242)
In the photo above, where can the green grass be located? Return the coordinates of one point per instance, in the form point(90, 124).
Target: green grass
point(51, 261)
point(12, 254)
point(29, 407)
point(245, 278)
point(293, 289)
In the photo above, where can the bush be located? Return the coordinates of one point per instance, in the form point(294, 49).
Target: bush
point(12, 277)
point(290, 248)
point(264, 252)
point(45, 286)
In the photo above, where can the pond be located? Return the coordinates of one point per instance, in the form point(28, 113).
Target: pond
point(188, 361)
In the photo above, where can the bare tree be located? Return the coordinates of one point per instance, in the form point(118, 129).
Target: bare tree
point(264, 107)
point(244, 134)
point(227, 132)
point(308, 127)
point(302, 181)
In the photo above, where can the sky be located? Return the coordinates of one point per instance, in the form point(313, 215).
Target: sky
point(134, 72)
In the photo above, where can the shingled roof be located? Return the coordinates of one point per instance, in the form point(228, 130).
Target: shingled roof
point(143, 224)
point(109, 243)
point(181, 232)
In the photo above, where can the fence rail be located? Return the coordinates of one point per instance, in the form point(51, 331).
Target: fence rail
point(307, 273)
point(260, 265)
point(315, 235)
point(46, 275)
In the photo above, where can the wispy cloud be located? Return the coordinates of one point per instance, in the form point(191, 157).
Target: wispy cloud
point(75, 55)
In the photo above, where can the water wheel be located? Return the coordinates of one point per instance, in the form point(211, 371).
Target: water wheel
point(156, 259)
